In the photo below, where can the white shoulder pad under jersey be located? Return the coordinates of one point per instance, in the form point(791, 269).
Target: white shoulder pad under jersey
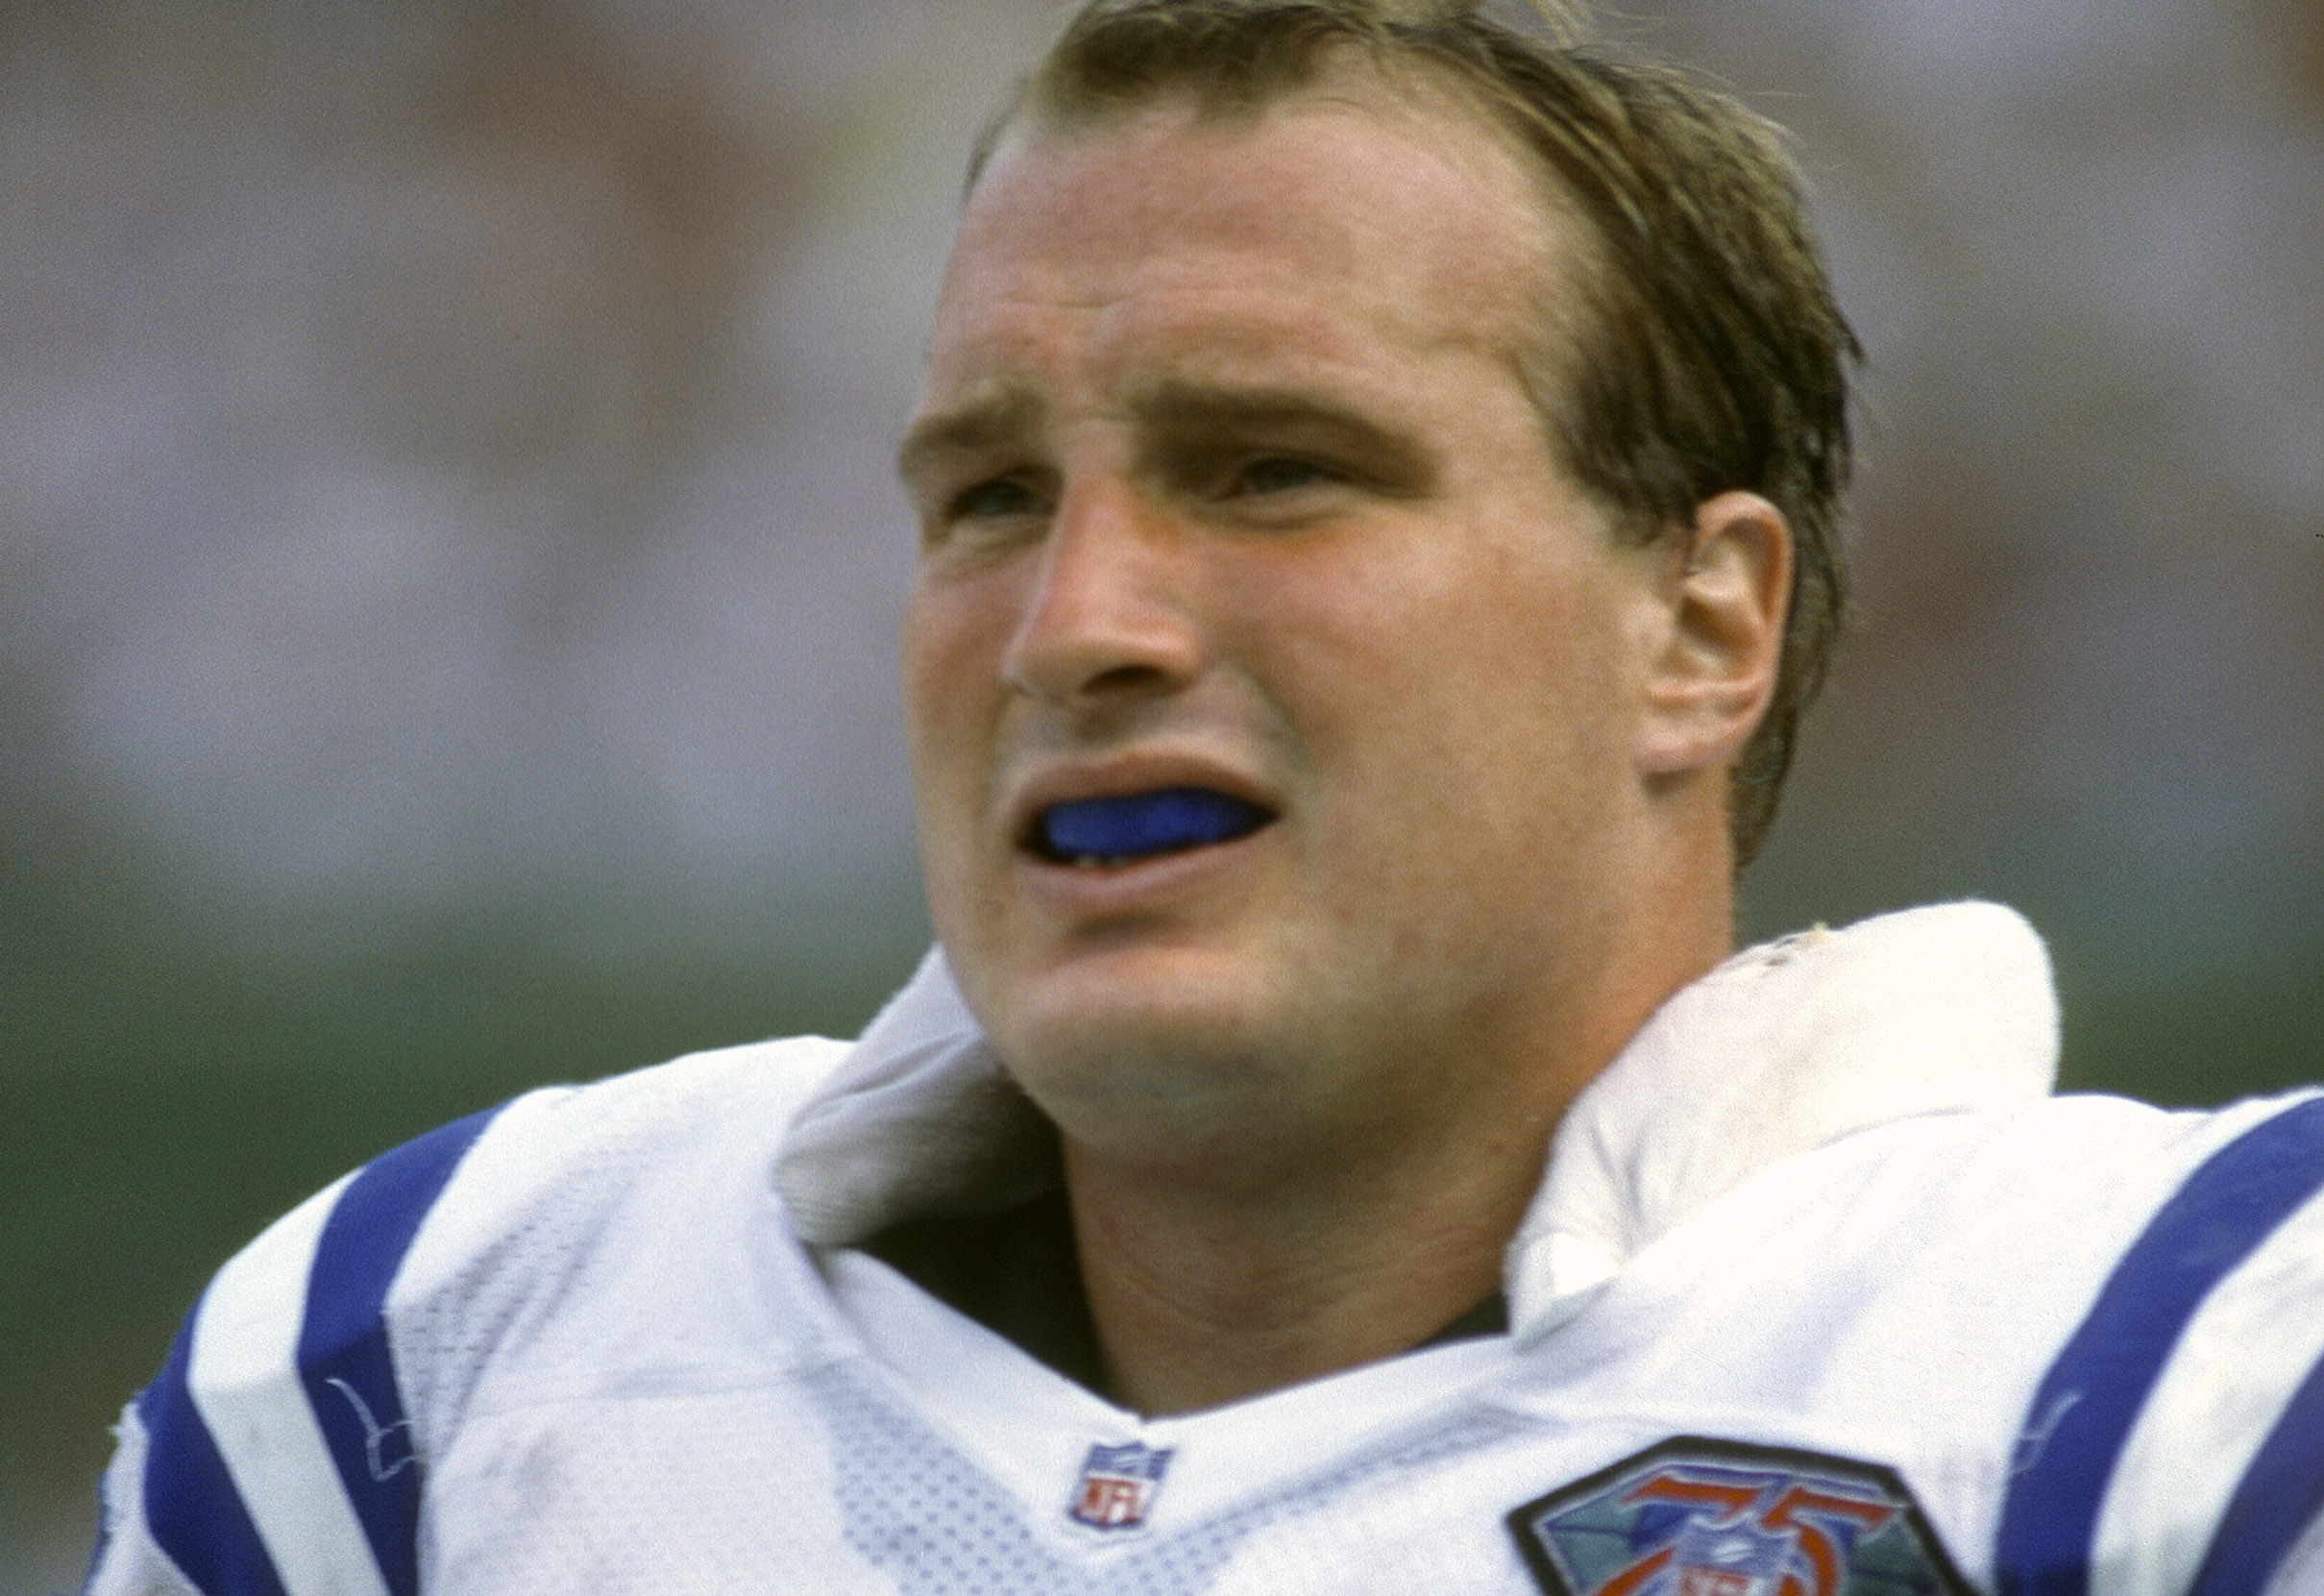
point(277, 1453)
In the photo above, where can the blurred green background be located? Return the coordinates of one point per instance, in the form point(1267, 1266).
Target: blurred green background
point(449, 571)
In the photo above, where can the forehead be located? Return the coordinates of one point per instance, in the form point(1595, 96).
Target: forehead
point(1359, 208)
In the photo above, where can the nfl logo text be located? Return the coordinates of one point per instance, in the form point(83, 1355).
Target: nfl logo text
point(1117, 1486)
point(1701, 1517)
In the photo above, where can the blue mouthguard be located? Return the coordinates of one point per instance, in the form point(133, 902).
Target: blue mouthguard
point(1147, 823)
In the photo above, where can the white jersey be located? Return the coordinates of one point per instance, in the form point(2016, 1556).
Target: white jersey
point(1821, 1293)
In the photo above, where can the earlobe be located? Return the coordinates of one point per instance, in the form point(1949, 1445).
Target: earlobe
point(1725, 593)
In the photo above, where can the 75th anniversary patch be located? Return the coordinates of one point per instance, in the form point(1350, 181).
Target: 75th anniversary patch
point(1701, 1517)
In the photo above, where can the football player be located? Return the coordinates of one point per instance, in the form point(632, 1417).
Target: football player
point(1377, 481)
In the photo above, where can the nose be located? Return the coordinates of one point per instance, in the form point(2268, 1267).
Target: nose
point(1107, 617)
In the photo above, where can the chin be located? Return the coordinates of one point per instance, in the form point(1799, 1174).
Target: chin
point(1145, 1064)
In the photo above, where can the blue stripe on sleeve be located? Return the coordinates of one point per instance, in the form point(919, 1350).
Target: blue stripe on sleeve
point(192, 1510)
point(2084, 1409)
point(343, 1353)
point(2279, 1496)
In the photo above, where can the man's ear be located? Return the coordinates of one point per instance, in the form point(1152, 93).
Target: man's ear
point(1724, 591)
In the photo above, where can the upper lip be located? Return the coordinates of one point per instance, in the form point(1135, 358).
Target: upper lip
point(1123, 774)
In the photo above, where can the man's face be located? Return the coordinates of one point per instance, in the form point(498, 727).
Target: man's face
point(1230, 490)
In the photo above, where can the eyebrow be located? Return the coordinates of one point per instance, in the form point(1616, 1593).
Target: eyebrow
point(993, 415)
point(1175, 409)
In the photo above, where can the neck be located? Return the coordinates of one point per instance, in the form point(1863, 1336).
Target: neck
point(1199, 1302)
point(1206, 1290)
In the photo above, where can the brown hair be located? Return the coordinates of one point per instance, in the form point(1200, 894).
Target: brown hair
point(1708, 356)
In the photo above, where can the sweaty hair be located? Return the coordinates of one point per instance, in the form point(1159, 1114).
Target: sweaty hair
point(1700, 350)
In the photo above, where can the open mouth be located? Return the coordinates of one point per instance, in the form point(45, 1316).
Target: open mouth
point(1123, 829)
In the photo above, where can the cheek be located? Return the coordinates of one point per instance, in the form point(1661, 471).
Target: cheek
point(1465, 724)
point(1480, 655)
point(953, 636)
point(943, 663)
point(949, 678)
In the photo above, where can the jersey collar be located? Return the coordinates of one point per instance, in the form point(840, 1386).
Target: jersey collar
point(1782, 1048)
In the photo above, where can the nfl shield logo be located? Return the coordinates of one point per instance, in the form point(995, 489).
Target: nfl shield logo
point(1698, 1517)
point(1117, 1486)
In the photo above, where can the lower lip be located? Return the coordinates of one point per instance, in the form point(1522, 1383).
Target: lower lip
point(1097, 888)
